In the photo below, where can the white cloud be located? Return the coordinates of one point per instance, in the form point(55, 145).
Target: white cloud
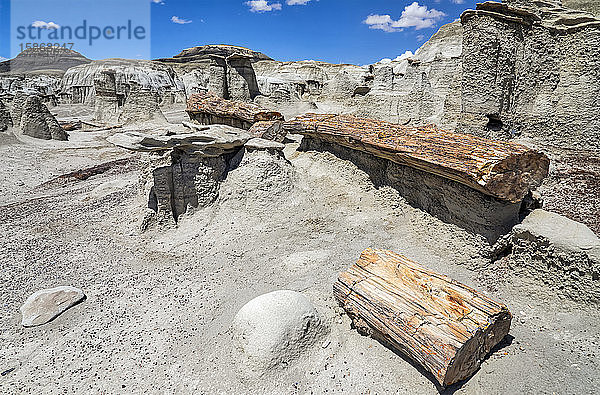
point(180, 21)
point(421, 37)
point(297, 2)
point(45, 25)
point(262, 6)
point(458, 1)
point(161, 2)
point(414, 15)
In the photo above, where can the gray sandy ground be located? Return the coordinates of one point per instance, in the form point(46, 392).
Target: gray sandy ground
point(160, 304)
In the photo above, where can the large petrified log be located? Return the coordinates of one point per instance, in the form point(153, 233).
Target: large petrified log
point(504, 170)
point(208, 109)
point(444, 326)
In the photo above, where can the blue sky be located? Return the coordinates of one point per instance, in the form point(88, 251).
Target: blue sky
point(337, 31)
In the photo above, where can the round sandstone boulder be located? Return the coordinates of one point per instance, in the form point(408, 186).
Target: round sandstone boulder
point(274, 328)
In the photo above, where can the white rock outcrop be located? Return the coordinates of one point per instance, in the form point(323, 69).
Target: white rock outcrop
point(274, 328)
point(564, 253)
point(45, 305)
point(78, 86)
point(531, 70)
point(210, 141)
point(184, 169)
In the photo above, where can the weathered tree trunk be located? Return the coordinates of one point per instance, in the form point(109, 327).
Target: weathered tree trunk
point(208, 109)
point(444, 326)
point(500, 169)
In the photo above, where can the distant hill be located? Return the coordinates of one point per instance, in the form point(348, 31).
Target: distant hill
point(205, 51)
point(43, 59)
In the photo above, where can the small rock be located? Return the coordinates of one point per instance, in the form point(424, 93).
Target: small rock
point(7, 371)
point(262, 144)
point(45, 305)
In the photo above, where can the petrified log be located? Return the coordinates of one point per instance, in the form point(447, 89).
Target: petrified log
point(443, 326)
point(504, 170)
point(268, 130)
point(207, 109)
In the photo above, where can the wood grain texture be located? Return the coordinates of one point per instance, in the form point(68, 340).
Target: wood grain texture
point(268, 130)
point(205, 107)
point(440, 324)
point(501, 169)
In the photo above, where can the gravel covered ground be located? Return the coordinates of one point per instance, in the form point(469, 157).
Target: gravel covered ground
point(160, 304)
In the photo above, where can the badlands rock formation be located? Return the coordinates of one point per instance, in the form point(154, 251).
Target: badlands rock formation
point(185, 169)
point(564, 252)
point(16, 110)
point(78, 83)
point(47, 86)
point(502, 71)
point(285, 82)
point(225, 70)
point(107, 100)
point(34, 119)
point(591, 6)
point(420, 89)
point(207, 51)
point(531, 71)
point(515, 70)
point(5, 118)
point(141, 106)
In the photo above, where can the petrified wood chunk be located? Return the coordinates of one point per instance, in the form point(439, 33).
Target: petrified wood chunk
point(268, 130)
point(500, 169)
point(207, 108)
point(444, 326)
